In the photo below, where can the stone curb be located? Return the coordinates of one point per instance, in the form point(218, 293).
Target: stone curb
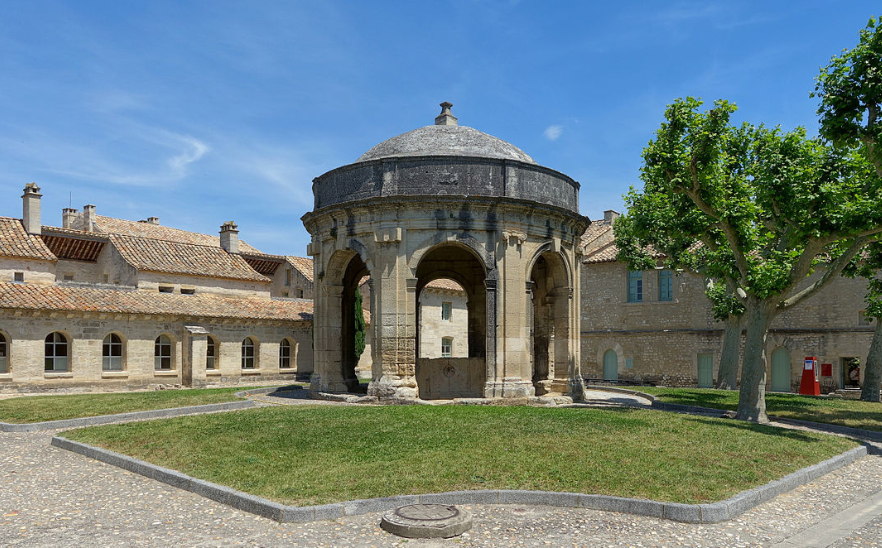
point(124, 417)
point(689, 513)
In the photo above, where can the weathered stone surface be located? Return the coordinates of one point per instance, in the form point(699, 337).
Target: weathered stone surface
point(427, 521)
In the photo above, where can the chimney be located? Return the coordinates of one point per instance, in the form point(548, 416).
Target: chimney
point(446, 118)
point(229, 237)
point(609, 216)
point(31, 208)
point(89, 218)
point(153, 220)
point(69, 217)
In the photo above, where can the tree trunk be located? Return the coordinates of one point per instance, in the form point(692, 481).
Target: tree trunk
point(873, 370)
point(727, 377)
point(752, 398)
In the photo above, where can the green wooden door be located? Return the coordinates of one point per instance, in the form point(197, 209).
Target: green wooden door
point(610, 366)
point(705, 370)
point(781, 370)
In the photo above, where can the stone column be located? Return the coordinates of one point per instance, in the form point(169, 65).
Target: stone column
point(195, 352)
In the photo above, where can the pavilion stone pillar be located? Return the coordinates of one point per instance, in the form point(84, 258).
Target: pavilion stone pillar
point(393, 373)
point(577, 383)
point(327, 374)
point(512, 375)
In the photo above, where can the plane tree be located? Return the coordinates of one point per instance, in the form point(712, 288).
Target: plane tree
point(768, 207)
point(850, 92)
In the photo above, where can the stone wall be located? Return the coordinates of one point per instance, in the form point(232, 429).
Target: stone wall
point(85, 332)
point(34, 271)
point(659, 342)
point(433, 328)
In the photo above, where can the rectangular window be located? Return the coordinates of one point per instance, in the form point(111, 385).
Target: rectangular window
point(210, 362)
point(287, 277)
point(665, 285)
point(68, 277)
point(635, 286)
point(106, 278)
point(284, 293)
point(188, 291)
point(446, 346)
point(445, 311)
point(4, 355)
point(18, 277)
point(300, 293)
point(166, 289)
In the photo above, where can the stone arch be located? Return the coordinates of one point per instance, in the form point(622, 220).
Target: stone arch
point(465, 239)
point(548, 247)
point(550, 321)
point(455, 377)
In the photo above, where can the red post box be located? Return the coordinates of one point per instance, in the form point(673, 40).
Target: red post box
point(809, 386)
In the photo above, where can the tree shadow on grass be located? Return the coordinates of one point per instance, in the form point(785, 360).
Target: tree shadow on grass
point(760, 428)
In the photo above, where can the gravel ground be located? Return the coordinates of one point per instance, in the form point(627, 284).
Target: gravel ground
point(51, 497)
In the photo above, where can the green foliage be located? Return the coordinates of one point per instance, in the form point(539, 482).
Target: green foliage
point(764, 203)
point(850, 89)
point(360, 325)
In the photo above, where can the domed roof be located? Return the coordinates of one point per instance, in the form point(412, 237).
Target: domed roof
point(446, 138)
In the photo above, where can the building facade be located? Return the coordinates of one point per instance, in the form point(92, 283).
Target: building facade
point(107, 303)
point(657, 327)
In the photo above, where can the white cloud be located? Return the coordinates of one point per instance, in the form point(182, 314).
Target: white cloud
point(552, 133)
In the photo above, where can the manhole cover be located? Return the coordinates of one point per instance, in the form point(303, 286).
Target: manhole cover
point(427, 521)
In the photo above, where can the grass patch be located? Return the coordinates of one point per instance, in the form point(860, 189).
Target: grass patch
point(853, 413)
point(322, 454)
point(49, 408)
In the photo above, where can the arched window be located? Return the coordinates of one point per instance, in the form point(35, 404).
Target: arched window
point(56, 352)
point(285, 354)
point(162, 353)
point(248, 353)
point(610, 366)
point(4, 354)
point(210, 353)
point(111, 353)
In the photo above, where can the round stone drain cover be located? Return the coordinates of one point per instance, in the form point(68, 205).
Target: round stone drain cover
point(427, 521)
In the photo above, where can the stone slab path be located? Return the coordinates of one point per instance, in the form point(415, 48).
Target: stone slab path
point(51, 497)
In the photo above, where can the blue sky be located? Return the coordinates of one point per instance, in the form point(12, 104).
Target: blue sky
point(203, 112)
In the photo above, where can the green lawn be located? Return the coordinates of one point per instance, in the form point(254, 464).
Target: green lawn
point(321, 454)
point(49, 408)
point(853, 413)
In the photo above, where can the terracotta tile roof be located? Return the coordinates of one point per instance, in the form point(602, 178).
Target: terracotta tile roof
point(264, 263)
point(67, 243)
point(302, 264)
point(180, 258)
point(133, 301)
point(444, 283)
point(16, 242)
point(599, 244)
point(112, 225)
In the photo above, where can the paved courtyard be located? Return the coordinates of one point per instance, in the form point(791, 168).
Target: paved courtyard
point(51, 497)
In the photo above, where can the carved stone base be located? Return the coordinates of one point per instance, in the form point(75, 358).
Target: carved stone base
point(393, 387)
point(509, 388)
point(544, 387)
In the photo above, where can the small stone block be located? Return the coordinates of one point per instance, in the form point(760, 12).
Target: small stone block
point(714, 513)
point(171, 477)
point(366, 506)
point(546, 498)
point(294, 514)
point(461, 497)
point(741, 502)
point(256, 505)
point(687, 513)
point(217, 493)
point(327, 511)
point(638, 507)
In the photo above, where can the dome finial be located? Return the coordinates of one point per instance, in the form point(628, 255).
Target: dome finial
point(446, 118)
